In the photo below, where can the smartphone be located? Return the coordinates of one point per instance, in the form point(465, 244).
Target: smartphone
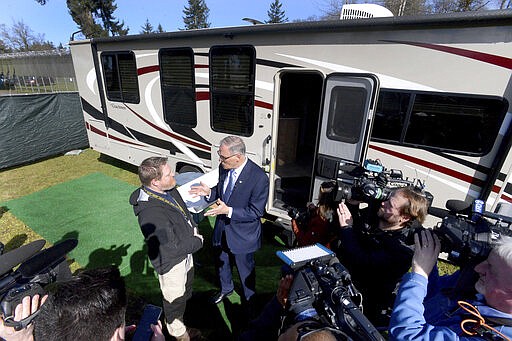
point(150, 316)
point(213, 204)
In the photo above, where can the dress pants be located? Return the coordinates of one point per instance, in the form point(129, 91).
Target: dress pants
point(246, 269)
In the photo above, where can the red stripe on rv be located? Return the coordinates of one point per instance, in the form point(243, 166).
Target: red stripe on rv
point(97, 131)
point(434, 166)
point(124, 141)
point(201, 66)
point(104, 134)
point(263, 105)
point(174, 136)
point(148, 69)
point(202, 96)
point(480, 56)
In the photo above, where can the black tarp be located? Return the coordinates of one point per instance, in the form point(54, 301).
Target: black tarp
point(37, 126)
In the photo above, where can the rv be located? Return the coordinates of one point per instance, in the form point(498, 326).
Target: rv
point(425, 95)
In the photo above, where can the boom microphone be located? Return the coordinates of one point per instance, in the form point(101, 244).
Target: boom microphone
point(19, 255)
point(458, 206)
point(46, 258)
point(438, 212)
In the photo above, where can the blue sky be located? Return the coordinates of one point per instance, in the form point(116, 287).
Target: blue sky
point(56, 24)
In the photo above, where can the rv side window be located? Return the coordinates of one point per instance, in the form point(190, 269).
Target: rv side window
point(232, 78)
point(120, 74)
point(446, 122)
point(178, 86)
point(345, 118)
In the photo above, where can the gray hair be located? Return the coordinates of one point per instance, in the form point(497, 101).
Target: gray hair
point(234, 143)
point(504, 249)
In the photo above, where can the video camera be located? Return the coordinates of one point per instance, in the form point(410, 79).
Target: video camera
point(38, 268)
point(468, 233)
point(322, 290)
point(372, 181)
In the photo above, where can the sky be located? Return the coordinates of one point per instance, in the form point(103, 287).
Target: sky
point(55, 23)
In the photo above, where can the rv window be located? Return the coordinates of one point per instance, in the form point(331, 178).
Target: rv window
point(178, 86)
point(345, 117)
point(445, 122)
point(120, 74)
point(232, 79)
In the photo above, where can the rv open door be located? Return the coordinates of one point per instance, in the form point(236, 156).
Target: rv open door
point(348, 106)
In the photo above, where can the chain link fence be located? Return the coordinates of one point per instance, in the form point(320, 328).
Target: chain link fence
point(37, 72)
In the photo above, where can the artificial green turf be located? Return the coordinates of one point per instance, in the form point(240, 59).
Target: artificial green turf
point(94, 209)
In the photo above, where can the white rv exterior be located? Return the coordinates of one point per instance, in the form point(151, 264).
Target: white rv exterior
point(442, 114)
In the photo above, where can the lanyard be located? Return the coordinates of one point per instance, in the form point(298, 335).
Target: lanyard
point(172, 204)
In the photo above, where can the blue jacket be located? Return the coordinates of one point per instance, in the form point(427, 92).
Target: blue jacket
point(438, 317)
point(248, 199)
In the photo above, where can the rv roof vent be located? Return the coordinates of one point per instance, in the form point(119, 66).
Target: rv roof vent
point(358, 11)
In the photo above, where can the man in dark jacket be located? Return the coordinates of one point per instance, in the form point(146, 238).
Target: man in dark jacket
point(171, 237)
point(374, 248)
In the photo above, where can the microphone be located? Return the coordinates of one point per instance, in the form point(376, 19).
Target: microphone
point(438, 212)
point(46, 258)
point(458, 206)
point(497, 216)
point(19, 255)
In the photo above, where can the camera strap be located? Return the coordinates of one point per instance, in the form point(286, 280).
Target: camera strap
point(19, 325)
point(475, 324)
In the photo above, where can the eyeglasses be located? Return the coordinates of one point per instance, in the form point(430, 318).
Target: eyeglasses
point(224, 158)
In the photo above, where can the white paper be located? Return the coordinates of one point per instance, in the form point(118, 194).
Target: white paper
point(197, 204)
point(305, 253)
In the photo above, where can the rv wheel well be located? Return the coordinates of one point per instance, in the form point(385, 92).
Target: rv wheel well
point(184, 168)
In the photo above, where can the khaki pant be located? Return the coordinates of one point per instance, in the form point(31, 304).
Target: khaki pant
point(176, 286)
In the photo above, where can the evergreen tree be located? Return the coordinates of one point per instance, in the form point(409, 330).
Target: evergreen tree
point(147, 28)
point(276, 14)
point(160, 29)
point(196, 15)
point(86, 12)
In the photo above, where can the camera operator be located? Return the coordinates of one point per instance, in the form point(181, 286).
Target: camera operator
point(267, 325)
point(317, 224)
point(27, 307)
point(89, 306)
point(373, 247)
point(424, 311)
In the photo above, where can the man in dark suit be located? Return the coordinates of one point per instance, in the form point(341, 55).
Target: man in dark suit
point(241, 195)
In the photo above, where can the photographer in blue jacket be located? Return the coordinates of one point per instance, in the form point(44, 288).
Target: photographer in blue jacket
point(424, 311)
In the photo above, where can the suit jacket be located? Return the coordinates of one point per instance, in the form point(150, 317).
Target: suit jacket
point(248, 199)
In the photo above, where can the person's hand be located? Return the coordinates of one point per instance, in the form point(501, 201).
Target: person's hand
point(426, 252)
point(157, 332)
point(220, 208)
point(200, 190)
point(283, 290)
point(27, 307)
point(344, 215)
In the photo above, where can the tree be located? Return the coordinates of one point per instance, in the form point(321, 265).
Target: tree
point(448, 6)
point(196, 15)
point(21, 38)
point(407, 7)
point(160, 29)
point(86, 12)
point(332, 9)
point(147, 28)
point(276, 14)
